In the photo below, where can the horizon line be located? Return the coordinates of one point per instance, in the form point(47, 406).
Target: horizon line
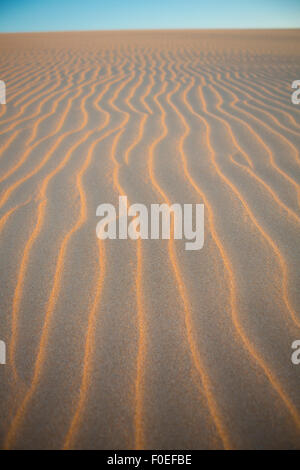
point(152, 30)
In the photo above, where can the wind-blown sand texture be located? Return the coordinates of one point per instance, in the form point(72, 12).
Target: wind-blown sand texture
point(121, 344)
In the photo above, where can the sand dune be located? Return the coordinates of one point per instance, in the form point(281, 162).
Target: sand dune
point(122, 344)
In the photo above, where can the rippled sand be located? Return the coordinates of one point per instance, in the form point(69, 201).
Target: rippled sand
point(142, 344)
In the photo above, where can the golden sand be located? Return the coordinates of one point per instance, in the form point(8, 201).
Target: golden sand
point(118, 344)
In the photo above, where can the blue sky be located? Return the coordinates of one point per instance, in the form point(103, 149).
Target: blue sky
point(62, 15)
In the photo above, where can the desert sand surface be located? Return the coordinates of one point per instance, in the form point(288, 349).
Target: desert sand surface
point(124, 344)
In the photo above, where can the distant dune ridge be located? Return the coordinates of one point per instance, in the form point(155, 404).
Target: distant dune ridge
point(123, 344)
